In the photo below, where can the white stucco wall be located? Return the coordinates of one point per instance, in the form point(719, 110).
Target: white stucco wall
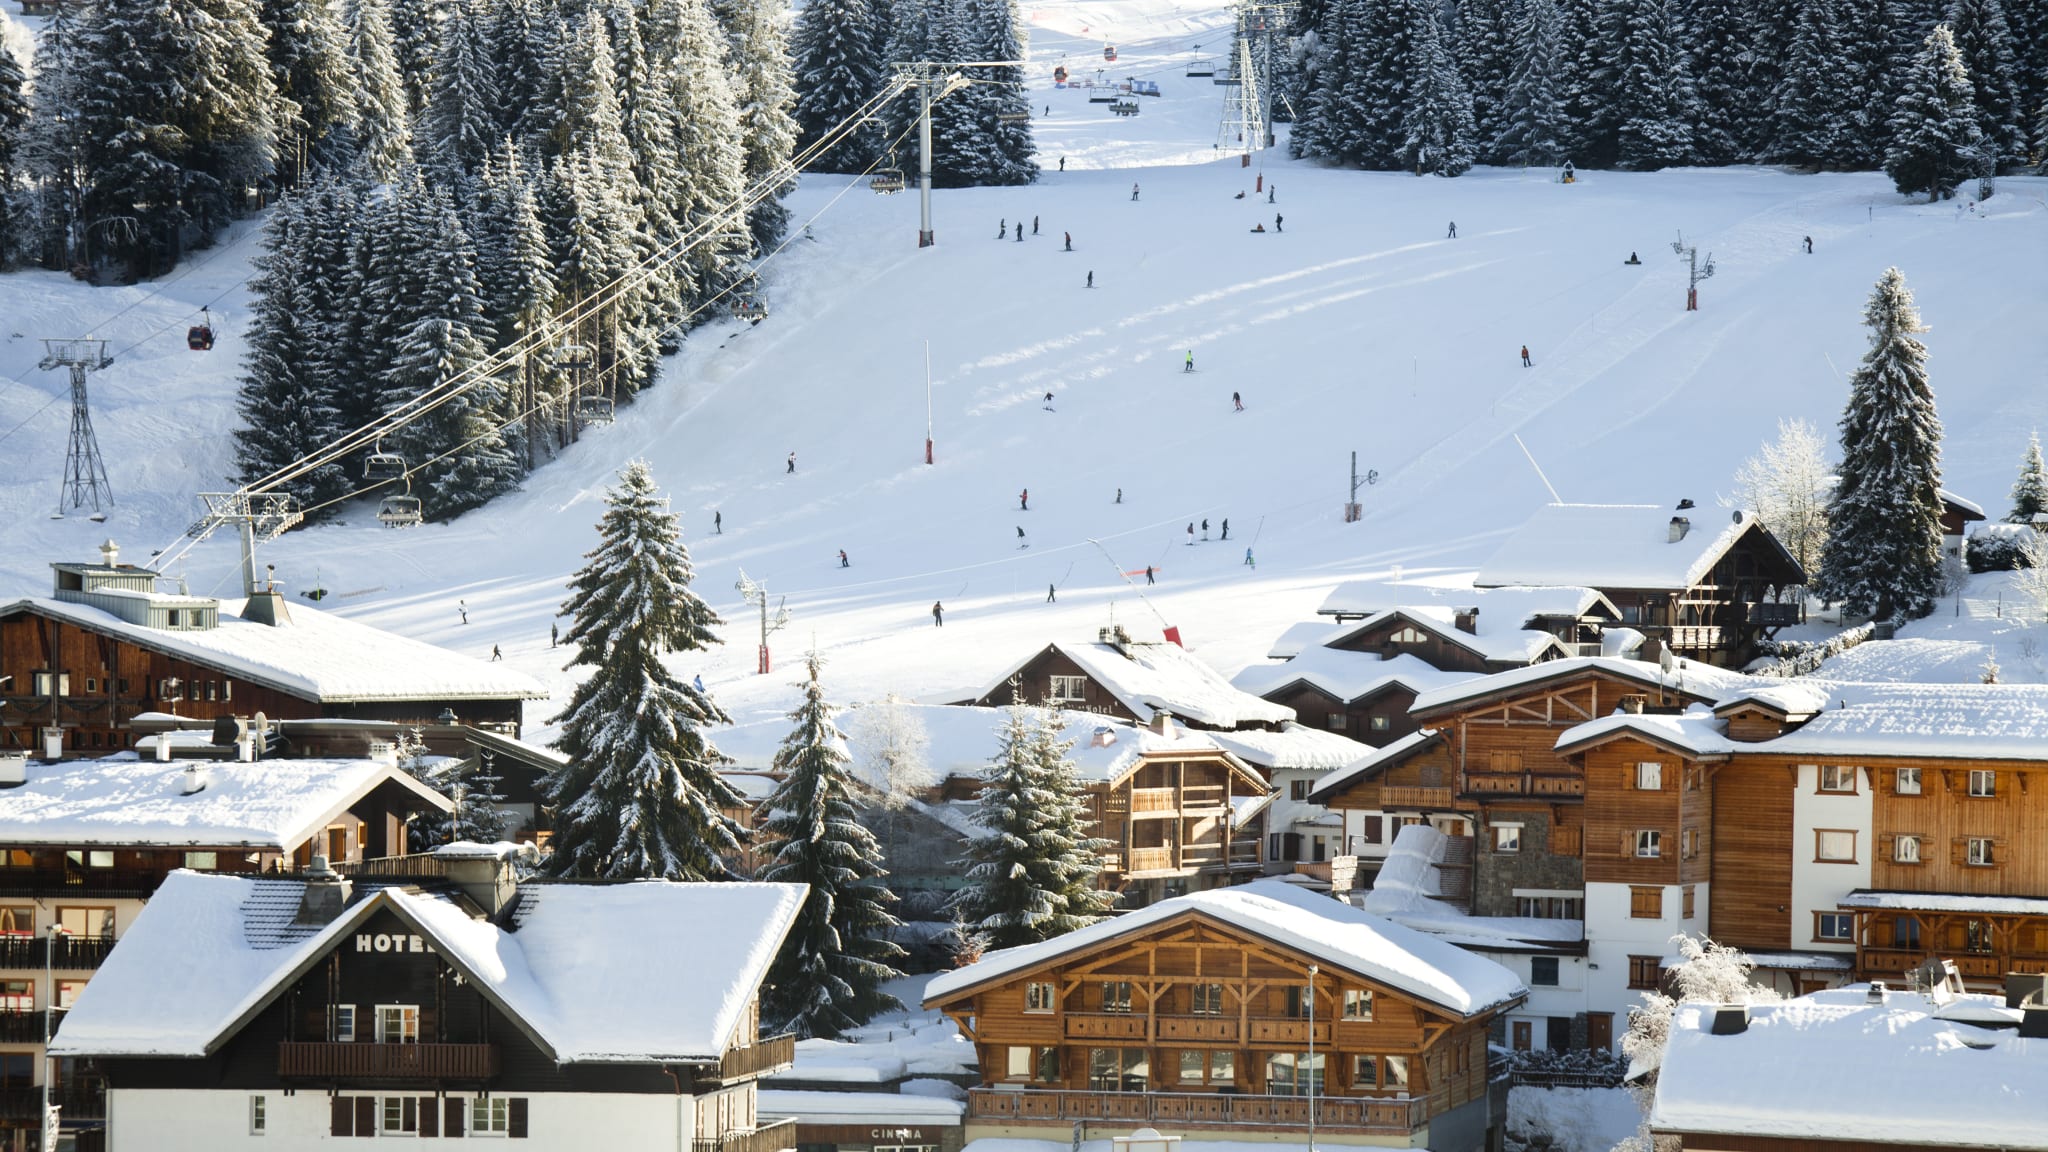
point(1817, 886)
point(218, 1121)
point(1612, 936)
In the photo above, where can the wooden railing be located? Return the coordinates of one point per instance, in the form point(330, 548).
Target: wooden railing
point(764, 1056)
point(1284, 1030)
point(1521, 784)
point(774, 1136)
point(1151, 860)
point(1217, 1029)
point(1145, 800)
point(345, 1061)
point(423, 864)
point(1693, 636)
point(1413, 796)
point(1203, 1029)
point(25, 1025)
point(1105, 1026)
point(1399, 1115)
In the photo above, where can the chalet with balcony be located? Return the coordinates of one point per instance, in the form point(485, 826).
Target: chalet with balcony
point(1359, 695)
point(1475, 630)
point(1705, 583)
point(78, 667)
point(1240, 1014)
point(453, 1002)
point(1130, 680)
point(1957, 514)
point(84, 844)
point(1301, 837)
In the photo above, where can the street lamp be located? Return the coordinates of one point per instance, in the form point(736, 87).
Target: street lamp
point(49, 1137)
point(1311, 1058)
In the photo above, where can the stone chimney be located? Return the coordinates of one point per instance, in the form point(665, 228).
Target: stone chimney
point(1162, 723)
point(1466, 619)
point(327, 893)
point(1679, 527)
point(483, 873)
point(110, 553)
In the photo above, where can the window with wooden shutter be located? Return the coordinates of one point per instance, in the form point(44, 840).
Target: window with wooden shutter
point(451, 1116)
point(518, 1124)
point(430, 1116)
point(366, 1115)
point(341, 1116)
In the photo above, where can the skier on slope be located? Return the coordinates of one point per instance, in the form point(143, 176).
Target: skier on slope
point(1003, 228)
point(1454, 231)
point(842, 559)
point(791, 470)
point(1024, 500)
point(1526, 363)
point(1070, 244)
point(1051, 591)
point(1277, 218)
point(938, 614)
point(1148, 575)
point(1226, 528)
point(1190, 364)
point(1205, 529)
point(1237, 401)
point(1134, 191)
point(1191, 533)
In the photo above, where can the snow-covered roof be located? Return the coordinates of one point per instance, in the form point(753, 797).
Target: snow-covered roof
point(1695, 732)
point(1945, 902)
point(1785, 697)
point(1784, 961)
point(588, 970)
point(127, 801)
point(1696, 679)
point(1347, 675)
point(1516, 605)
point(858, 1107)
point(1961, 503)
point(1831, 1066)
point(315, 656)
point(1614, 546)
point(1500, 639)
point(1300, 637)
point(1408, 888)
point(1146, 677)
point(1333, 933)
point(1375, 761)
point(1295, 746)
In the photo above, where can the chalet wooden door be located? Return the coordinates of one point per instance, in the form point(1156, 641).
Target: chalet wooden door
point(1600, 1031)
point(1523, 1030)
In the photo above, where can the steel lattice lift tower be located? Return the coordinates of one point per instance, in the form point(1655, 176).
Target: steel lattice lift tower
point(85, 474)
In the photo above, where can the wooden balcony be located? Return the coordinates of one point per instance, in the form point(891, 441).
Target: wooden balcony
point(767, 1055)
point(1202, 1029)
point(774, 1136)
point(1391, 1116)
point(1414, 796)
point(1152, 800)
point(1693, 637)
point(25, 1025)
point(1105, 1026)
point(321, 1060)
point(1153, 860)
point(1523, 784)
point(1284, 1030)
point(1228, 1029)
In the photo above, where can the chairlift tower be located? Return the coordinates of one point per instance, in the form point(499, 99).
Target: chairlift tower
point(260, 516)
point(934, 81)
point(1248, 110)
point(85, 474)
point(756, 594)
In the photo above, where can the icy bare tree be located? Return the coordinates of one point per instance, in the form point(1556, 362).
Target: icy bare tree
point(2030, 577)
point(1710, 974)
point(891, 743)
point(1786, 485)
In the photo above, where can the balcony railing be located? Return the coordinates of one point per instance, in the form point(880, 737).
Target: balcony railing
point(764, 1056)
point(1400, 1115)
point(1522, 784)
point(345, 1061)
point(83, 1098)
point(71, 952)
point(774, 1136)
point(34, 881)
point(1152, 860)
point(25, 1025)
point(1225, 1029)
point(1145, 800)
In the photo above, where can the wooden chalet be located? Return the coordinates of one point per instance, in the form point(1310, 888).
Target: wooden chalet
point(77, 667)
point(1239, 1013)
point(1361, 696)
point(1130, 680)
point(1705, 584)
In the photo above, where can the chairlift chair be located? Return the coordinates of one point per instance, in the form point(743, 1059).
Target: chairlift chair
point(399, 511)
point(382, 465)
point(594, 409)
point(887, 181)
point(199, 337)
point(750, 309)
point(1201, 69)
point(1128, 106)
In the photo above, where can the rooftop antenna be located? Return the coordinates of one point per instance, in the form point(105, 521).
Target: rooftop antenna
point(85, 474)
point(1554, 497)
point(756, 594)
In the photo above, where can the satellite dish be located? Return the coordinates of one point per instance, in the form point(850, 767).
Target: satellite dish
point(1738, 515)
point(1664, 660)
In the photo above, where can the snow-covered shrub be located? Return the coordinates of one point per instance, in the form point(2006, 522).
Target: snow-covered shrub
point(2001, 547)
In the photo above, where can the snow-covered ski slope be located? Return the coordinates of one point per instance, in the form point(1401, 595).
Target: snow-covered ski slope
point(1359, 327)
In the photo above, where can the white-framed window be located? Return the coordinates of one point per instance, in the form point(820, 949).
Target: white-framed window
point(1980, 851)
point(1507, 837)
point(1983, 782)
point(1833, 926)
point(1649, 776)
point(1834, 846)
point(1837, 778)
point(1358, 1003)
point(1906, 850)
point(344, 1030)
point(1070, 688)
point(1907, 782)
point(257, 1119)
point(1407, 635)
point(1336, 721)
point(202, 861)
point(1039, 997)
point(1649, 843)
point(398, 1024)
point(1689, 843)
point(398, 1116)
point(490, 1116)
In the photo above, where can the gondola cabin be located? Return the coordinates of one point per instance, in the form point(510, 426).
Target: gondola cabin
point(199, 337)
point(1109, 53)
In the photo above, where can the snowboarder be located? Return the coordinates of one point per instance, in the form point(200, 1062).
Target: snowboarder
point(463, 607)
point(842, 559)
point(1277, 218)
point(1091, 277)
point(1248, 562)
point(718, 523)
point(1237, 401)
point(1048, 401)
point(1148, 575)
point(1525, 357)
point(1191, 533)
point(1134, 191)
point(1240, 194)
point(1205, 529)
point(1051, 591)
point(1809, 245)
point(1020, 536)
point(1226, 528)
point(1003, 228)
point(1119, 495)
point(495, 654)
point(1070, 243)
point(1633, 259)
point(1020, 231)
point(938, 614)
point(792, 465)
point(1454, 231)
point(1024, 500)
point(1034, 225)
point(554, 635)
point(1190, 365)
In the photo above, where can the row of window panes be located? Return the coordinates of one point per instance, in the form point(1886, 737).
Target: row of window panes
point(1069, 689)
point(1375, 723)
point(396, 1023)
point(1907, 782)
point(20, 995)
point(400, 1116)
point(1287, 1073)
point(1549, 907)
point(1203, 999)
point(168, 688)
point(20, 920)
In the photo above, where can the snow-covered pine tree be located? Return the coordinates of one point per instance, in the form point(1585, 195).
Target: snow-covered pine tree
point(2028, 20)
point(1936, 143)
point(1647, 121)
point(829, 975)
point(1580, 79)
point(518, 277)
point(14, 119)
point(642, 43)
point(383, 122)
point(1984, 40)
point(1009, 141)
point(1533, 125)
point(1380, 87)
point(1485, 49)
point(1763, 61)
point(1877, 48)
point(764, 89)
point(910, 38)
point(309, 67)
point(283, 401)
point(641, 795)
point(52, 149)
point(710, 142)
point(478, 795)
point(459, 127)
point(1329, 55)
point(1883, 552)
point(1437, 128)
point(1817, 99)
point(416, 27)
point(1716, 38)
point(961, 154)
point(1035, 857)
point(2030, 491)
point(518, 70)
point(837, 73)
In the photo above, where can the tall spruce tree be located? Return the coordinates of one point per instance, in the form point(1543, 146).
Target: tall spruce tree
point(14, 122)
point(1485, 50)
point(1533, 127)
point(54, 148)
point(383, 122)
point(640, 795)
point(1936, 143)
point(1883, 552)
point(459, 127)
point(1877, 48)
point(1716, 38)
point(764, 90)
point(2030, 491)
point(1004, 104)
point(1984, 41)
point(1031, 872)
point(283, 402)
point(829, 975)
point(1648, 108)
point(308, 51)
point(1437, 129)
point(1818, 98)
point(836, 63)
point(416, 27)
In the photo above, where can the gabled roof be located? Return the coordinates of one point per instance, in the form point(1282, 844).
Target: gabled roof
point(1369, 947)
point(1622, 546)
point(1346, 676)
point(126, 801)
point(1301, 637)
point(1409, 887)
point(1695, 734)
point(590, 973)
point(1517, 605)
point(1149, 677)
point(1783, 699)
point(1966, 508)
point(1294, 746)
point(1833, 1066)
point(1492, 641)
point(1378, 761)
point(317, 656)
point(1701, 682)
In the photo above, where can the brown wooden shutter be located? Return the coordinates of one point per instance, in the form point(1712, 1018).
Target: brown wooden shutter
point(518, 1124)
point(430, 1116)
point(366, 1115)
point(342, 1117)
point(452, 1119)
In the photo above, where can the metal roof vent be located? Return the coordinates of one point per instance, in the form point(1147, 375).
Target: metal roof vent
point(1877, 992)
point(1679, 527)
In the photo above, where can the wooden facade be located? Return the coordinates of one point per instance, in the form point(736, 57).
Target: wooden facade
point(1720, 618)
point(1197, 1026)
point(1169, 823)
point(1428, 640)
point(1752, 837)
point(1377, 718)
point(1076, 691)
